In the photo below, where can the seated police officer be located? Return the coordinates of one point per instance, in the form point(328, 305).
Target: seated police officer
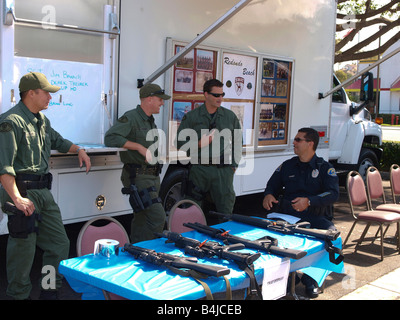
point(136, 131)
point(310, 186)
point(26, 140)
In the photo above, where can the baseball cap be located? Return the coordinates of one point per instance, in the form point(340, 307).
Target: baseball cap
point(149, 90)
point(36, 80)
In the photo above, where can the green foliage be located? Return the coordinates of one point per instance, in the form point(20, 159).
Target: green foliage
point(391, 155)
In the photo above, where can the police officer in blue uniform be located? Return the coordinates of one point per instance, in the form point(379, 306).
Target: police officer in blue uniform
point(310, 184)
point(306, 186)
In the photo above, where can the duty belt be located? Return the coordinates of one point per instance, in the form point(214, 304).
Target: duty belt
point(143, 169)
point(33, 181)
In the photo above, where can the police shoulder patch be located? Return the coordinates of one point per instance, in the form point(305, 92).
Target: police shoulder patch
point(123, 119)
point(332, 172)
point(5, 127)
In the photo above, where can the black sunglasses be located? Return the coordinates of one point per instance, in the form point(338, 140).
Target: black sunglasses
point(217, 95)
point(300, 139)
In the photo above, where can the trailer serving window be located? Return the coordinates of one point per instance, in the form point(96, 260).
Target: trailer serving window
point(257, 88)
point(71, 43)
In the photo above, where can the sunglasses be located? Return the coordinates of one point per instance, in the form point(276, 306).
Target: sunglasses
point(300, 139)
point(217, 95)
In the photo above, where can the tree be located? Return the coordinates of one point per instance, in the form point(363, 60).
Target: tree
point(355, 15)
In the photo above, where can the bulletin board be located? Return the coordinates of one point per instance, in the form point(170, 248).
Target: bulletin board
point(274, 102)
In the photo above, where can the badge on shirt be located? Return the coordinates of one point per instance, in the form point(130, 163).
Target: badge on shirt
point(315, 173)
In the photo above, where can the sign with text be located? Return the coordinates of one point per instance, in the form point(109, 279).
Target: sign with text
point(76, 110)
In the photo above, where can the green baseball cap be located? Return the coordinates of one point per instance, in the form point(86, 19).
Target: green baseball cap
point(149, 90)
point(36, 80)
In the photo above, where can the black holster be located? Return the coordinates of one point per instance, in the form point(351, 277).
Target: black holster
point(19, 225)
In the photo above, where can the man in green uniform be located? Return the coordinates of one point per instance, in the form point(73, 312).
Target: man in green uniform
point(137, 132)
point(212, 137)
point(26, 140)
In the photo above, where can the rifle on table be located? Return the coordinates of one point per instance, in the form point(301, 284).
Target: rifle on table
point(282, 226)
point(267, 244)
point(179, 265)
point(289, 228)
point(210, 249)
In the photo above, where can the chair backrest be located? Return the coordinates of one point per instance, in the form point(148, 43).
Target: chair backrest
point(182, 212)
point(374, 185)
point(356, 191)
point(395, 180)
point(90, 233)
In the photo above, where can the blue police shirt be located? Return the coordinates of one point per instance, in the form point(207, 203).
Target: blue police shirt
point(317, 180)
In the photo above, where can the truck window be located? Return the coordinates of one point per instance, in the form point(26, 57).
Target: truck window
point(339, 96)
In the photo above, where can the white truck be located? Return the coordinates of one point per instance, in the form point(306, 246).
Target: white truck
point(274, 58)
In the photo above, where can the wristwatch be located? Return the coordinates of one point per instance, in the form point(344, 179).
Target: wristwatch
point(79, 149)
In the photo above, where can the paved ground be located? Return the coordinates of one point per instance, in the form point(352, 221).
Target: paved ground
point(366, 276)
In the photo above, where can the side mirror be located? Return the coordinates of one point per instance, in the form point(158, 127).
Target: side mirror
point(367, 87)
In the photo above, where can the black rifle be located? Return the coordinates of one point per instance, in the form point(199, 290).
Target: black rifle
point(267, 244)
point(289, 228)
point(282, 226)
point(210, 249)
point(177, 264)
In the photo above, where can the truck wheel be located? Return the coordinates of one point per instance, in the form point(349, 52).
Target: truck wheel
point(170, 190)
point(367, 159)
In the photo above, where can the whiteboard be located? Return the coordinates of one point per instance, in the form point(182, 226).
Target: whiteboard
point(76, 110)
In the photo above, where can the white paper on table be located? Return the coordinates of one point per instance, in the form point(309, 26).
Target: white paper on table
point(283, 216)
point(276, 274)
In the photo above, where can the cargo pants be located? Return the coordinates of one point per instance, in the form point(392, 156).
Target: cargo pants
point(51, 238)
point(152, 219)
point(218, 182)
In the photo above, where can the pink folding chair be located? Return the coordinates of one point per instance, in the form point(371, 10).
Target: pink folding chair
point(358, 198)
point(376, 192)
point(102, 227)
point(395, 181)
point(184, 211)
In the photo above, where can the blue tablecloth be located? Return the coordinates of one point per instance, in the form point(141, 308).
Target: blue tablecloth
point(136, 279)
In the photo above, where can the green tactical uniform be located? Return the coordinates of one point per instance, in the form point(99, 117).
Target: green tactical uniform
point(134, 126)
point(26, 141)
point(213, 168)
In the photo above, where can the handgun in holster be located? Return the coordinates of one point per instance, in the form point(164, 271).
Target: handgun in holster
point(134, 198)
point(19, 225)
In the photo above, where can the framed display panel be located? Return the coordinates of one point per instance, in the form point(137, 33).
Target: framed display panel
point(257, 88)
point(275, 92)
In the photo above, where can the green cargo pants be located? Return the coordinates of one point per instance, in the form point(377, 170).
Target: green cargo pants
point(51, 238)
point(152, 219)
point(218, 182)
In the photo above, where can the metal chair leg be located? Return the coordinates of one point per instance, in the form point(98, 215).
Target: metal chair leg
point(351, 230)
